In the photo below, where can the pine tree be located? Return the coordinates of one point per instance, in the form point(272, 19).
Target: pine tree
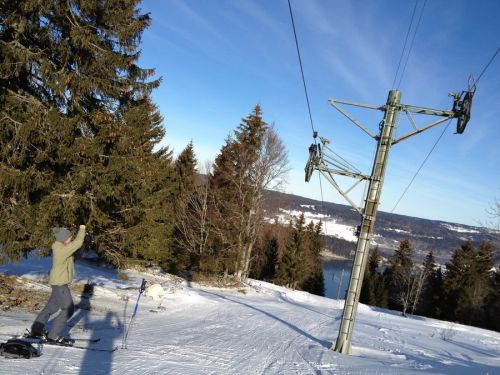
point(372, 279)
point(185, 175)
point(492, 305)
point(78, 129)
point(247, 165)
point(132, 214)
point(292, 267)
point(455, 283)
point(480, 284)
point(399, 277)
point(187, 197)
point(265, 258)
point(314, 282)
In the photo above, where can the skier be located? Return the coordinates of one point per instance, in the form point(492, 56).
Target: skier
point(60, 276)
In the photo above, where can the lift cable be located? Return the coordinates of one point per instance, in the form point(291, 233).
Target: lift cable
point(488, 65)
point(306, 94)
point(421, 165)
point(441, 135)
point(411, 44)
point(301, 68)
point(404, 45)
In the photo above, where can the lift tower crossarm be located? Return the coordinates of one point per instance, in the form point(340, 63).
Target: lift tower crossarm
point(426, 111)
point(335, 102)
point(340, 172)
point(422, 111)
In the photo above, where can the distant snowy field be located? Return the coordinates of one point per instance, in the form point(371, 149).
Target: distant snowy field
point(458, 228)
point(331, 227)
point(258, 329)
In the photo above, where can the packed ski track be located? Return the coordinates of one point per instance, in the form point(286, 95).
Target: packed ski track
point(258, 328)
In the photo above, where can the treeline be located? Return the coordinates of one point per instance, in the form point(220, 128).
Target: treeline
point(80, 144)
point(220, 226)
point(291, 255)
point(466, 291)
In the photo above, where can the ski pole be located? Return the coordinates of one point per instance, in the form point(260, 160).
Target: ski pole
point(141, 290)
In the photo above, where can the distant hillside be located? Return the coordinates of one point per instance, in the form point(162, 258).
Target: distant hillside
point(341, 220)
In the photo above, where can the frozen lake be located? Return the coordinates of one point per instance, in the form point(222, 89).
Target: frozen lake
point(336, 274)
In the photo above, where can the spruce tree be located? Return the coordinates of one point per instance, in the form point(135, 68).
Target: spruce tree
point(185, 198)
point(480, 284)
point(492, 305)
point(248, 164)
point(456, 281)
point(292, 267)
point(372, 279)
point(314, 282)
point(185, 176)
point(78, 129)
point(265, 259)
point(399, 277)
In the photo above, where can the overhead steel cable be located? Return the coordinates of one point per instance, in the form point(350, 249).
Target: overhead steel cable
point(306, 94)
point(301, 68)
point(411, 44)
point(408, 32)
point(488, 65)
point(404, 45)
point(441, 135)
point(421, 165)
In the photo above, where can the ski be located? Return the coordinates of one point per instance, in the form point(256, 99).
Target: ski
point(42, 343)
point(86, 340)
point(26, 336)
point(90, 348)
point(77, 339)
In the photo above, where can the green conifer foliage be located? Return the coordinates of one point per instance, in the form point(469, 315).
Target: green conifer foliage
point(399, 277)
point(292, 268)
point(189, 201)
point(468, 282)
point(458, 271)
point(185, 175)
point(371, 292)
point(492, 304)
point(247, 165)
point(314, 281)
point(78, 128)
point(430, 303)
point(266, 253)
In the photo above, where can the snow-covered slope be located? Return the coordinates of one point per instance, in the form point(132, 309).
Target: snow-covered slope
point(256, 329)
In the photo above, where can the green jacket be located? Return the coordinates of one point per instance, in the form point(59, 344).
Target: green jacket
point(63, 267)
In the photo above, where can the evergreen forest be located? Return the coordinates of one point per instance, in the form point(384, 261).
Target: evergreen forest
point(80, 144)
point(466, 290)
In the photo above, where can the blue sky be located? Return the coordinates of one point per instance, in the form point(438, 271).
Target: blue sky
point(219, 58)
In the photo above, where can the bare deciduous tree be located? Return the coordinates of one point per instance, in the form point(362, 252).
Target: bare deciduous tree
point(197, 223)
point(494, 215)
point(420, 280)
point(268, 172)
point(244, 213)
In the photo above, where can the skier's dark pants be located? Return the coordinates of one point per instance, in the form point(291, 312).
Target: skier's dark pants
point(59, 299)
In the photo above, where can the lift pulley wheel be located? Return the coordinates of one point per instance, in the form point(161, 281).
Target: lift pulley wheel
point(311, 161)
point(463, 104)
point(464, 112)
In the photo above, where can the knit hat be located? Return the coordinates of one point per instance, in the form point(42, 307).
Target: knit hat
point(61, 234)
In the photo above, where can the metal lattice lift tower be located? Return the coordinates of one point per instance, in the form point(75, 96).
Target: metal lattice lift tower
point(328, 163)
